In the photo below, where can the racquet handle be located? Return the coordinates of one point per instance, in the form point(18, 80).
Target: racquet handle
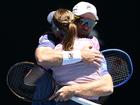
point(83, 101)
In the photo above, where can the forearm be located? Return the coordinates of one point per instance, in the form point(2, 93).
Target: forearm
point(101, 87)
point(49, 57)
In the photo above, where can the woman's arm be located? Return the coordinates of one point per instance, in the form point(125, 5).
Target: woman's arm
point(49, 57)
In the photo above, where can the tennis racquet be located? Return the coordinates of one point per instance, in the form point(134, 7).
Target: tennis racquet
point(119, 65)
point(15, 82)
point(44, 88)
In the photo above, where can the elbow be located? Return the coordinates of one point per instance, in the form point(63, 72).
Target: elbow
point(108, 90)
point(44, 61)
point(48, 57)
point(108, 86)
point(42, 56)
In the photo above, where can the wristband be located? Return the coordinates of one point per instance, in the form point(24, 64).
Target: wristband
point(70, 57)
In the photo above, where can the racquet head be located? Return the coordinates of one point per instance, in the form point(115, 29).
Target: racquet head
point(119, 65)
point(15, 82)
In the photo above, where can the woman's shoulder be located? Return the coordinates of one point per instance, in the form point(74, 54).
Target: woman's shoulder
point(59, 46)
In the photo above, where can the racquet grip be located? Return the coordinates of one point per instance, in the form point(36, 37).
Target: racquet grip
point(83, 101)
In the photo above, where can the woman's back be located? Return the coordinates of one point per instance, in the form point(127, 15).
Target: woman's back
point(79, 72)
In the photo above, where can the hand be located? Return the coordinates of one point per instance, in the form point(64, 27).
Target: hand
point(63, 94)
point(91, 56)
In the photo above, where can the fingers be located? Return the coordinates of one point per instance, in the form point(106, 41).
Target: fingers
point(97, 64)
point(95, 58)
point(62, 94)
point(87, 47)
point(58, 96)
point(96, 53)
point(54, 96)
point(98, 57)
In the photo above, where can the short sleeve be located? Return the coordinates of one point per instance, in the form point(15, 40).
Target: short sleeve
point(45, 42)
point(95, 43)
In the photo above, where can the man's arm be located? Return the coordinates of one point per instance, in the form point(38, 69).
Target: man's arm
point(100, 87)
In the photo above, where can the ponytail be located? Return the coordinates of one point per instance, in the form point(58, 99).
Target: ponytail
point(68, 42)
point(64, 20)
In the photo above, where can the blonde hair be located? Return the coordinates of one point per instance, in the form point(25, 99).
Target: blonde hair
point(64, 20)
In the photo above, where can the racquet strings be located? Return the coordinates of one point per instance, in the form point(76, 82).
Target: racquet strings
point(119, 67)
point(44, 88)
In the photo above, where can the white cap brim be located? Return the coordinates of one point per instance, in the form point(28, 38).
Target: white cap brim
point(50, 17)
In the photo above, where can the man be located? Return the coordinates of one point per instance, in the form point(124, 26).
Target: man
point(87, 18)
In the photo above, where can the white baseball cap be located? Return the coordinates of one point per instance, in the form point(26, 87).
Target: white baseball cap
point(84, 7)
point(50, 17)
